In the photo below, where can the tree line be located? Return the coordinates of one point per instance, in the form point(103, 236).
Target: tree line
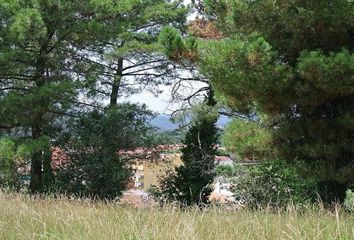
point(284, 69)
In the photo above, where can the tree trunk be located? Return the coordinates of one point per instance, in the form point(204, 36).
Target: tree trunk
point(37, 124)
point(36, 162)
point(47, 175)
point(116, 83)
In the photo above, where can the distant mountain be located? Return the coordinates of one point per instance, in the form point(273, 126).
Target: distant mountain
point(164, 123)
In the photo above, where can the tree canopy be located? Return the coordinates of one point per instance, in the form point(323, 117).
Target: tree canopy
point(294, 62)
point(54, 54)
point(248, 140)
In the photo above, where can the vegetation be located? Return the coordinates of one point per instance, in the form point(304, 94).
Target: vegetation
point(57, 59)
point(273, 183)
point(168, 137)
point(10, 160)
point(292, 61)
point(175, 47)
point(284, 70)
point(348, 203)
point(190, 183)
point(93, 167)
point(224, 170)
point(248, 140)
point(22, 217)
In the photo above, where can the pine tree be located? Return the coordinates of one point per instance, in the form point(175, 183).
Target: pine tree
point(129, 59)
point(294, 62)
point(191, 182)
point(50, 53)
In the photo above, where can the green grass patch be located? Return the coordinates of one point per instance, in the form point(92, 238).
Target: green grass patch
point(23, 217)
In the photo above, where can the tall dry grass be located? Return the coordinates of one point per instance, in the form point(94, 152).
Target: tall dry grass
point(23, 217)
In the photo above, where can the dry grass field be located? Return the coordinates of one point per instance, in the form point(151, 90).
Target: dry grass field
point(22, 217)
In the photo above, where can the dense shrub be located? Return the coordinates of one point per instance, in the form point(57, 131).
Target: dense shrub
point(273, 183)
point(98, 175)
point(94, 168)
point(348, 204)
point(12, 158)
point(7, 162)
point(224, 170)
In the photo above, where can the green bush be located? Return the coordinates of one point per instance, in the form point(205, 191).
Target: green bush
point(273, 184)
point(12, 157)
point(94, 168)
point(224, 170)
point(7, 162)
point(348, 203)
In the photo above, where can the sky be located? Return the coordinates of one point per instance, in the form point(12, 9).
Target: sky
point(161, 103)
point(158, 104)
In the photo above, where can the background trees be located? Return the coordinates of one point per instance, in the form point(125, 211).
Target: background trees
point(91, 147)
point(127, 57)
point(56, 55)
point(289, 60)
point(292, 60)
point(36, 77)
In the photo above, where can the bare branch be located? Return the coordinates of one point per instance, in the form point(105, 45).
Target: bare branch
point(236, 115)
point(143, 74)
point(143, 63)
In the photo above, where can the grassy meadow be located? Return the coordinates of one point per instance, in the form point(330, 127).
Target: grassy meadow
point(22, 217)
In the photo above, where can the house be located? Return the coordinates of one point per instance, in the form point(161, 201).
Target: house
point(148, 170)
point(148, 173)
point(224, 160)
